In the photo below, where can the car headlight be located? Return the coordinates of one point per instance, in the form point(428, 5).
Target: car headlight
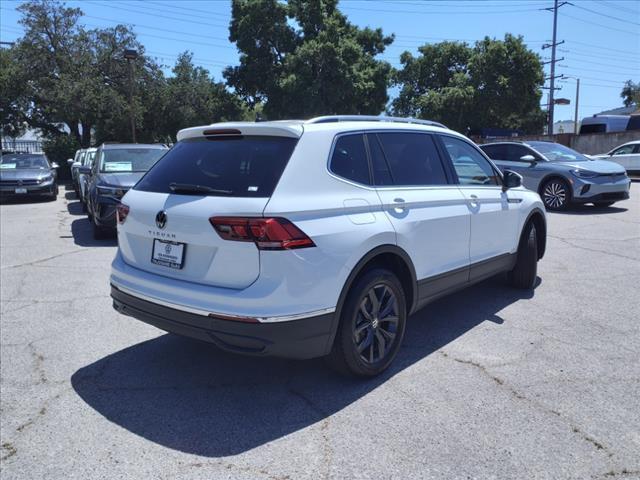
point(584, 173)
point(48, 178)
point(113, 191)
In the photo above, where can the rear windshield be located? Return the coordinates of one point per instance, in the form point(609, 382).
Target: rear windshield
point(247, 166)
point(130, 159)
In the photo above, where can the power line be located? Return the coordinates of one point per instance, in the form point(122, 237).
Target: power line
point(605, 15)
point(601, 25)
point(619, 7)
point(138, 25)
point(591, 62)
point(422, 12)
point(635, 54)
point(583, 53)
point(117, 7)
point(606, 72)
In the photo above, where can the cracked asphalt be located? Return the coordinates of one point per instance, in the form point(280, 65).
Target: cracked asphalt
point(491, 383)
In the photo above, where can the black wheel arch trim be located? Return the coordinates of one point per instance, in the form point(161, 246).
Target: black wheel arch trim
point(541, 236)
point(359, 268)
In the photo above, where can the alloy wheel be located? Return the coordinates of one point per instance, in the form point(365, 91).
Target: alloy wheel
point(555, 194)
point(376, 324)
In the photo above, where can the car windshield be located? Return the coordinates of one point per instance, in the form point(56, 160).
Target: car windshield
point(130, 159)
point(554, 152)
point(11, 162)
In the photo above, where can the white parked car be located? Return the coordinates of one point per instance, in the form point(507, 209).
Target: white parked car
point(627, 155)
point(311, 238)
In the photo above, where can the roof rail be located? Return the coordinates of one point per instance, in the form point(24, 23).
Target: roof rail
point(372, 118)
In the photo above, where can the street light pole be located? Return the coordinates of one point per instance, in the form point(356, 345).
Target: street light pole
point(131, 55)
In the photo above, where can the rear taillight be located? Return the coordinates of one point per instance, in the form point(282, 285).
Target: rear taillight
point(122, 211)
point(267, 233)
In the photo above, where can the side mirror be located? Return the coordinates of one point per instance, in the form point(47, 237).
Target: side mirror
point(70, 161)
point(55, 165)
point(84, 170)
point(511, 179)
point(528, 158)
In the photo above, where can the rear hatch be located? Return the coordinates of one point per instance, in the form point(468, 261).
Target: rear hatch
point(210, 172)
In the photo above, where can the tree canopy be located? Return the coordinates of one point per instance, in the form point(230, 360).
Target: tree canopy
point(303, 58)
point(495, 83)
point(61, 73)
point(631, 93)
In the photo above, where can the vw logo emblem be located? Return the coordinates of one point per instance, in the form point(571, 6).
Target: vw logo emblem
point(19, 182)
point(161, 219)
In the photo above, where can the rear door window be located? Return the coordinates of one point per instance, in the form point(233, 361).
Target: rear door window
point(349, 159)
point(245, 166)
point(413, 159)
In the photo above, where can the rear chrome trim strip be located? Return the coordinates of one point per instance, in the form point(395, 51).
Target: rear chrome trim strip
point(226, 316)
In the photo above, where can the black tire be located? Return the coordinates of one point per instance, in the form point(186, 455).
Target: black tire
point(525, 271)
point(603, 204)
point(556, 194)
point(381, 337)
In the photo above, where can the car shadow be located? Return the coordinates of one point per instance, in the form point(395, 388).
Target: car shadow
point(82, 232)
point(75, 208)
point(190, 396)
point(590, 210)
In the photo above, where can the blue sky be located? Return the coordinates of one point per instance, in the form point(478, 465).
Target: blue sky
point(602, 37)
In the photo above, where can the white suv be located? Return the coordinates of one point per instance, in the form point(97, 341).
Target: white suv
point(311, 238)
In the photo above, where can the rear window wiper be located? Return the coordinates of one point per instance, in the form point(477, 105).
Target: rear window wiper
point(188, 188)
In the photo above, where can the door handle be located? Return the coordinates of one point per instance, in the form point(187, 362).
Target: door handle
point(473, 200)
point(399, 205)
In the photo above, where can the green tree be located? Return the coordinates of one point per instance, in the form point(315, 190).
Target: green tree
point(79, 77)
point(304, 58)
point(495, 83)
point(193, 98)
point(13, 98)
point(631, 93)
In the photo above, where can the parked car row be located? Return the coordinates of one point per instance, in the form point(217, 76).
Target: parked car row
point(315, 238)
point(104, 174)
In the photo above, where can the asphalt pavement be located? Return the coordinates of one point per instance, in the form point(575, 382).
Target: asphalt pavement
point(491, 383)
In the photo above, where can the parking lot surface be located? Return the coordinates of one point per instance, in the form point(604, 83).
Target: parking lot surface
point(490, 383)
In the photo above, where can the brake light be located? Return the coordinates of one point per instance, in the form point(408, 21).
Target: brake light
point(273, 233)
point(122, 211)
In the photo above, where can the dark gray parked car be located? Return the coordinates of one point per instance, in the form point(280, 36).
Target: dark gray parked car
point(116, 168)
point(561, 175)
point(26, 175)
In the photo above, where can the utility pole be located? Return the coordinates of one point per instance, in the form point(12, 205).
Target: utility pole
point(131, 55)
point(554, 43)
point(575, 116)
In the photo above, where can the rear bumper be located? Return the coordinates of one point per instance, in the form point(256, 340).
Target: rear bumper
point(301, 339)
